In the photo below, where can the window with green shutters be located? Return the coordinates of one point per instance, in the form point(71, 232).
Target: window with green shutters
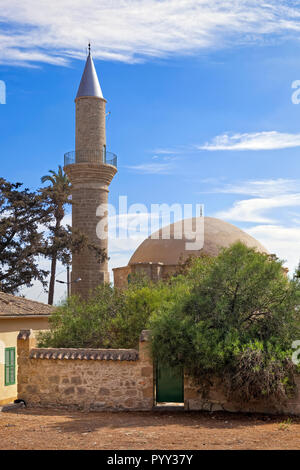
point(10, 366)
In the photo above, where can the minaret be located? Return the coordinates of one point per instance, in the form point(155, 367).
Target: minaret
point(90, 169)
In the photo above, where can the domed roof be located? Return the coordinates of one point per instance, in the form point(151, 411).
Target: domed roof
point(217, 234)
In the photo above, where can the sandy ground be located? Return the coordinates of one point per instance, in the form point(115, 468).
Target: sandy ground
point(51, 429)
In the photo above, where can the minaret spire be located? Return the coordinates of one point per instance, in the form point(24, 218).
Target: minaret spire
point(89, 84)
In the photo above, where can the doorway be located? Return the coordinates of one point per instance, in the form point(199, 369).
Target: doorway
point(169, 384)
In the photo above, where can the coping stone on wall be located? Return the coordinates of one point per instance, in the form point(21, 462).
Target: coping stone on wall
point(24, 334)
point(85, 354)
point(145, 335)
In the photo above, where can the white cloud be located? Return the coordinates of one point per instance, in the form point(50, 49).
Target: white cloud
point(253, 210)
point(283, 241)
point(166, 151)
point(271, 140)
point(128, 30)
point(270, 196)
point(259, 188)
point(153, 168)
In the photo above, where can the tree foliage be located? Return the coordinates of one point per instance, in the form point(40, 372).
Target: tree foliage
point(21, 240)
point(31, 227)
point(111, 318)
point(237, 323)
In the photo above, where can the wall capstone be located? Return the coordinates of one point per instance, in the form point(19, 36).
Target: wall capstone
point(87, 354)
point(145, 335)
point(24, 334)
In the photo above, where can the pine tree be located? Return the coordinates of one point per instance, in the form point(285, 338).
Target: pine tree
point(21, 240)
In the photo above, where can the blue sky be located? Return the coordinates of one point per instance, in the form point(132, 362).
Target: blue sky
point(200, 100)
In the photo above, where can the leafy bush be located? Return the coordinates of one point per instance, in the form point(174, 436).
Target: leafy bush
point(111, 318)
point(237, 323)
point(83, 324)
point(260, 371)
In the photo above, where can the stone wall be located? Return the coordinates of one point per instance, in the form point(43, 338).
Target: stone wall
point(91, 379)
point(216, 400)
point(154, 271)
point(114, 379)
point(121, 276)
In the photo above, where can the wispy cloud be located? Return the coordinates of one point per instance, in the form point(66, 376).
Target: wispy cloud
point(260, 188)
point(267, 195)
point(253, 210)
point(271, 140)
point(128, 30)
point(281, 240)
point(263, 210)
point(153, 168)
point(168, 151)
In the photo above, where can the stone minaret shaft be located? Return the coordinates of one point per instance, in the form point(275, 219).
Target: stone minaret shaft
point(90, 176)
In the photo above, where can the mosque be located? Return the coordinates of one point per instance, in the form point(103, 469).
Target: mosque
point(91, 169)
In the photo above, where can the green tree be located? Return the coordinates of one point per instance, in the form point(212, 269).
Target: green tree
point(79, 323)
point(56, 195)
point(111, 318)
point(237, 323)
point(21, 240)
point(140, 302)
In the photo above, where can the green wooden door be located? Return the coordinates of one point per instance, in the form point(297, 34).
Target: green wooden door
point(169, 384)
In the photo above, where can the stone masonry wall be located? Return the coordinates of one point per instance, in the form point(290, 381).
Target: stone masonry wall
point(121, 276)
point(120, 379)
point(84, 263)
point(84, 378)
point(216, 400)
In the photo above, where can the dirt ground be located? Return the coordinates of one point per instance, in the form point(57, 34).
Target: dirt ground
point(164, 430)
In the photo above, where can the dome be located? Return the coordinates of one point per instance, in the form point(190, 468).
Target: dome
point(217, 234)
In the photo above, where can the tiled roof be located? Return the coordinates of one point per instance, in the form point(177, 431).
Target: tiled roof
point(85, 354)
point(11, 305)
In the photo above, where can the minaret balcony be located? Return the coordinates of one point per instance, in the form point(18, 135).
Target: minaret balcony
point(90, 156)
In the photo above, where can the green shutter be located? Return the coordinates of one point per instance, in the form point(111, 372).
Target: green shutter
point(10, 366)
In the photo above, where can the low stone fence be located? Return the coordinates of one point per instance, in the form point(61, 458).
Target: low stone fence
point(216, 400)
point(91, 379)
point(114, 379)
